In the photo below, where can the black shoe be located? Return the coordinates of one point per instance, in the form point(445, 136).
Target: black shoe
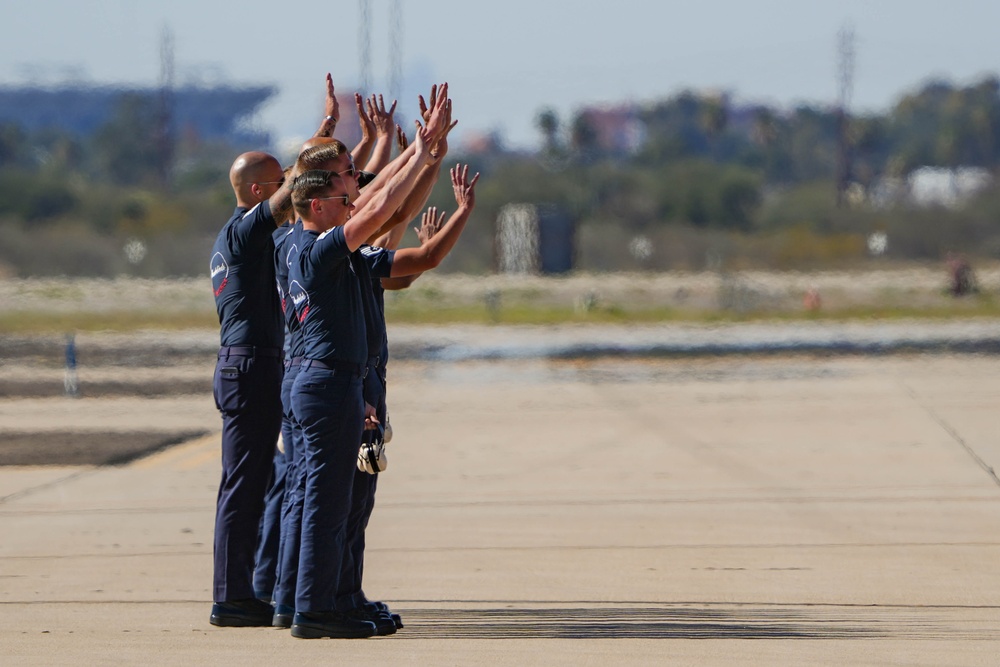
point(282, 616)
point(314, 625)
point(383, 607)
point(384, 625)
point(249, 613)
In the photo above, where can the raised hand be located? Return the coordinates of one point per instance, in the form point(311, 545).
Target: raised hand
point(425, 110)
point(440, 146)
point(430, 224)
point(380, 117)
point(422, 140)
point(465, 193)
point(367, 124)
point(401, 141)
point(437, 111)
point(332, 107)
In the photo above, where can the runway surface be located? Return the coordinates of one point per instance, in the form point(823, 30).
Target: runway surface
point(800, 510)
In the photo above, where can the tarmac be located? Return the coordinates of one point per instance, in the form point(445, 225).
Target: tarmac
point(787, 510)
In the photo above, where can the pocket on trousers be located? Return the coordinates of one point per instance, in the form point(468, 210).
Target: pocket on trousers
point(312, 386)
point(228, 387)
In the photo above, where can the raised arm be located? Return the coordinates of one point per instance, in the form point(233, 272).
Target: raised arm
point(363, 150)
point(435, 122)
point(408, 261)
point(281, 201)
point(384, 125)
point(402, 143)
point(430, 224)
point(407, 211)
point(331, 111)
point(417, 199)
point(386, 201)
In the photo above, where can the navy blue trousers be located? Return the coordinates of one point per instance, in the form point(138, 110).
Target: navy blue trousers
point(247, 393)
point(291, 508)
point(268, 540)
point(362, 502)
point(330, 409)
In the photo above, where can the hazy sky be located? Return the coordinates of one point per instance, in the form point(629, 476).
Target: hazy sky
point(506, 60)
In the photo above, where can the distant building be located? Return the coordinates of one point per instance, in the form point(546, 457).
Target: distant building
point(616, 129)
point(219, 113)
point(931, 186)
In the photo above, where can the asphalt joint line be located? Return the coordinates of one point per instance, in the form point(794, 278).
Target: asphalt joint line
point(17, 495)
point(955, 435)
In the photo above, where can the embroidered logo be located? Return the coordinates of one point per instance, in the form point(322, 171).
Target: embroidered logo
point(219, 268)
point(300, 299)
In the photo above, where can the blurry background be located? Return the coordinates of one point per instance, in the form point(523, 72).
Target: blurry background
point(720, 137)
point(722, 217)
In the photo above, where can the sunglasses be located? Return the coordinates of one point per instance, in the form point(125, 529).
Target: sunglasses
point(346, 198)
point(351, 171)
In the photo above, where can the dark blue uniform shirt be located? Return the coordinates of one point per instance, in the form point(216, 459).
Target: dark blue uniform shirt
point(379, 293)
point(242, 269)
point(371, 264)
point(286, 246)
point(327, 295)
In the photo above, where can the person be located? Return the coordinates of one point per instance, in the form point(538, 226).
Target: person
point(329, 154)
point(277, 560)
point(962, 279)
point(374, 386)
point(269, 539)
point(316, 151)
point(248, 373)
point(369, 265)
point(327, 395)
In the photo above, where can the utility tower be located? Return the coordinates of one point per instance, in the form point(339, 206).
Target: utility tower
point(164, 135)
point(845, 88)
point(365, 53)
point(365, 45)
point(395, 48)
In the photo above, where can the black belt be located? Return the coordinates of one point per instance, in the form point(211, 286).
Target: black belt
point(250, 351)
point(344, 366)
point(293, 362)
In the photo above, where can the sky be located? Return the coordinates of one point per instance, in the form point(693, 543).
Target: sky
point(505, 61)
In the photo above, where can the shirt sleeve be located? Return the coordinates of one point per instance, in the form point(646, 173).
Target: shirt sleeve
point(379, 260)
point(330, 246)
point(255, 228)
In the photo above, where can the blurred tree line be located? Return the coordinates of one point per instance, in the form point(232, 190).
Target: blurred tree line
point(690, 181)
point(81, 206)
point(695, 181)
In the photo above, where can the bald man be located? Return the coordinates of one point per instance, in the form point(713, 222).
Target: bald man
point(248, 374)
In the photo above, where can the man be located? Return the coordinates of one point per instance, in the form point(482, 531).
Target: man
point(330, 154)
point(248, 373)
point(316, 152)
point(268, 547)
point(283, 591)
point(374, 388)
point(327, 396)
